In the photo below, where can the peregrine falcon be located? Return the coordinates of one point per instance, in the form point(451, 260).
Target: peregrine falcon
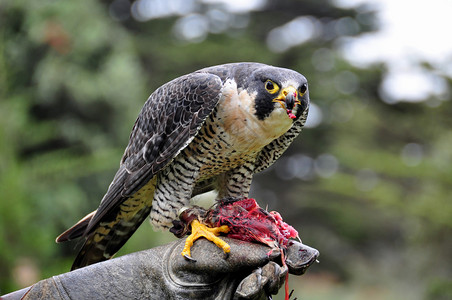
point(212, 129)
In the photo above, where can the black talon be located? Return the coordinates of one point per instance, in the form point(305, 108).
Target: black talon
point(189, 258)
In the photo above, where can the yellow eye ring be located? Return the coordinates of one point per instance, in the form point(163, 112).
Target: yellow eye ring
point(271, 87)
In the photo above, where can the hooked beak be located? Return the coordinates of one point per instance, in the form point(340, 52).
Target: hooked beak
point(288, 98)
point(291, 97)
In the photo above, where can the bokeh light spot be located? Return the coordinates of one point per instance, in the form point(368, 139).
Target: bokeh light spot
point(326, 165)
point(412, 154)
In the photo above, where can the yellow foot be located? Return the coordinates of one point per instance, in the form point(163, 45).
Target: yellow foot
point(200, 230)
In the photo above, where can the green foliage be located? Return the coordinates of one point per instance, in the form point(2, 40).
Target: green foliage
point(73, 79)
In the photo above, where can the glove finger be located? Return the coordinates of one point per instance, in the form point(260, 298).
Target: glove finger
point(276, 276)
point(250, 286)
point(299, 257)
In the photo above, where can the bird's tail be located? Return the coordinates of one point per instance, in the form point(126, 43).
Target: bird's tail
point(105, 237)
point(77, 230)
point(108, 237)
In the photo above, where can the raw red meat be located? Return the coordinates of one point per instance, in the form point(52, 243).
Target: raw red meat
point(247, 221)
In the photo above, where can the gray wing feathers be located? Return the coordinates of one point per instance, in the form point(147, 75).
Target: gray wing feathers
point(167, 123)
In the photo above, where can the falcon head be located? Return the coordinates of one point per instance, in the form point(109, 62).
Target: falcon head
point(279, 90)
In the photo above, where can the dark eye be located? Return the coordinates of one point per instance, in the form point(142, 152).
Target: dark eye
point(271, 87)
point(303, 89)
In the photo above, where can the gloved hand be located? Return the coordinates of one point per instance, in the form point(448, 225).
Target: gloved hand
point(247, 272)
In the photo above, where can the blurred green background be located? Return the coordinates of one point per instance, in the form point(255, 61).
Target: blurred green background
point(368, 183)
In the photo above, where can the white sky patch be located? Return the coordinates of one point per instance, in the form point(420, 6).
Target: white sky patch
point(238, 6)
point(192, 28)
point(409, 33)
point(412, 84)
point(145, 10)
point(315, 116)
point(296, 32)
